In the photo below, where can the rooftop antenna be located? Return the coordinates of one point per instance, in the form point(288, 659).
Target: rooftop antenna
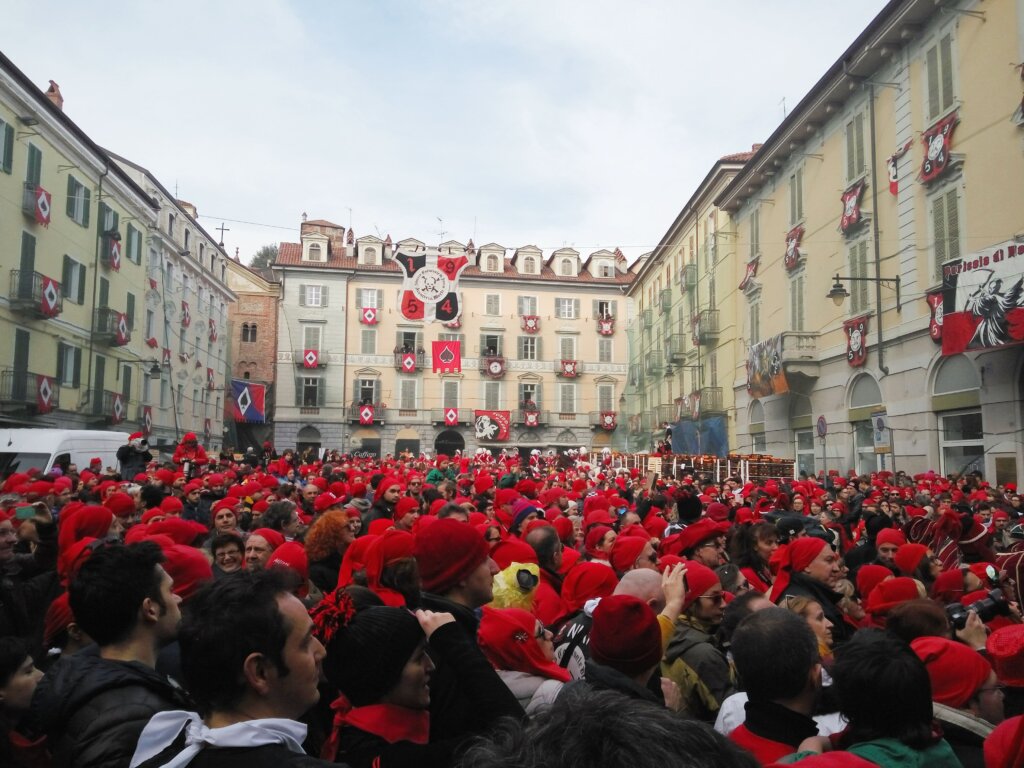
point(442, 233)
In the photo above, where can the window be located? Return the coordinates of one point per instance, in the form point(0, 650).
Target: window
point(530, 394)
point(606, 397)
point(311, 335)
point(955, 374)
point(407, 395)
point(567, 347)
point(961, 442)
point(755, 320)
point(945, 227)
point(567, 309)
point(939, 68)
point(755, 232)
point(459, 337)
point(527, 347)
point(529, 265)
point(370, 297)
point(449, 394)
point(492, 344)
point(606, 269)
point(73, 280)
point(370, 256)
point(604, 350)
point(567, 398)
point(126, 382)
point(864, 447)
point(796, 197)
point(604, 309)
point(565, 268)
point(492, 395)
point(69, 365)
point(315, 253)
point(108, 219)
point(492, 262)
point(165, 391)
point(249, 332)
point(133, 245)
point(147, 392)
point(805, 451)
point(78, 201)
point(188, 237)
point(367, 391)
point(409, 341)
point(860, 295)
point(34, 172)
point(309, 391)
point(527, 305)
point(313, 296)
point(6, 146)
point(368, 341)
point(796, 301)
point(195, 401)
point(104, 297)
point(170, 224)
point(492, 304)
point(855, 162)
point(150, 324)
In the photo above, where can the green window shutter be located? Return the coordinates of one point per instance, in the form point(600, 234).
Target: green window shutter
point(28, 253)
point(105, 292)
point(800, 193)
point(932, 63)
point(65, 275)
point(130, 311)
point(302, 295)
point(321, 391)
point(859, 139)
point(380, 298)
point(81, 283)
point(850, 152)
point(77, 376)
point(35, 165)
point(946, 68)
point(952, 225)
point(323, 296)
point(376, 391)
point(71, 196)
point(87, 195)
point(102, 219)
point(60, 361)
point(939, 227)
point(7, 159)
point(520, 347)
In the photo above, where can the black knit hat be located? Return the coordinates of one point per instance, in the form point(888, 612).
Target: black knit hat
point(366, 657)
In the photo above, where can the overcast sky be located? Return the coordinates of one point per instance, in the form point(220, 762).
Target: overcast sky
point(583, 123)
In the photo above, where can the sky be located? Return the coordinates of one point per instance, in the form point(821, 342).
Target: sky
point(545, 122)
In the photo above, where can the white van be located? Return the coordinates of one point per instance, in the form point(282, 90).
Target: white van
point(24, 449)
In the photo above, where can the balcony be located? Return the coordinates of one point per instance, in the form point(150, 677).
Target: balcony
point(707, 326)
point(419, 358)
point(800, 353)
point(711, 400)
point(111, 406)
point(688, 277)
point(531, 417)
point(35, 294)
point(636, 374)
point(654, 363)
point(379, 411)
point(493, 365)
point(464, 415)
point(606, 420)
point(24, 388)
point(647, 318)
point(568, 419)
point(665, 413)
point(318, 358)
point(568, 369)
point(665, 299)
point(110, 327)
point(676, 348)
point(408, 415)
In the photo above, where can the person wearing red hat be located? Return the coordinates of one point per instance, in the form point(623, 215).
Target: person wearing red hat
point(630, 552)
point(190, 456)
point(810, 568)
point(752, 549)
point(625, 662)
point(598, 543)
point(887, 542)
point(704, 542)
point(386, 495)
point(693, 660)
point(547, 601)
point(407, 512)
point(133, 457)
point(259, 546)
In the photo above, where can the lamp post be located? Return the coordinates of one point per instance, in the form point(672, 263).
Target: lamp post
point(839, 293)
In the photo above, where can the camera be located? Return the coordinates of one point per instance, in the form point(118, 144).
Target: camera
point(991, 605)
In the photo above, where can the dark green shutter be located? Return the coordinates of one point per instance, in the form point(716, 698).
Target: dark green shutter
point(86, 199)
point(104, 293)
point(35, 165)
point(81, 283)
point(8, 148)
point(71, 196)
point(130, 311)
point(61, 346)
point(77, 376)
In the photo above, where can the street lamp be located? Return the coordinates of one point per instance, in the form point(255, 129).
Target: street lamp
point(839, 293)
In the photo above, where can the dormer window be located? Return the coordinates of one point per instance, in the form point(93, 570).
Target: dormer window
point(529, 265)
point(369, 256)
point(492, 262)
point(315, 254)
point(566, 268)
point(605, 270)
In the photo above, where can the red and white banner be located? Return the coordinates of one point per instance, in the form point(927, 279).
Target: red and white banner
point(938, 141)
point(750, 273)
point(608, 420)
point(451, 417)
point(213, 329)
point(456, 323)
point(366, 414)
point(118, 411)
point(430, 288)
point(492, 425)
point(152, 343)
point(983, 299)
point(186, 314)
point(851, 207)
point(569, 368)
point(446, 356)
point(368, 315)
point(694, 402)
point(43, 206)
point(891, 165)
point(165, 358)
point(408, 363)
point(49, 300)
point(531, 419)
point(147, 420)
point(530, 323)
point(856, 341)
point(152, 283)
point(211, 379)
point(934, 299)
point(310, 358)
point(44, 394)
point(207, 429)
point(606, 326)
point(793, 238)
point(121, 334)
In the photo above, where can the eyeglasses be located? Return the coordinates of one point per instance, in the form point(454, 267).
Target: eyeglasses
point(999, 688)
point(715, 544)
point(540, 633)
point(716, 599)
point(493, 539)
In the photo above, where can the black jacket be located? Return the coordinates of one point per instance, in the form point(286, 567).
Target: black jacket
point(28, 584)
point(456, 705)
point(801, 585)
point(324, 573)
point(93, 710)
point(602, 678)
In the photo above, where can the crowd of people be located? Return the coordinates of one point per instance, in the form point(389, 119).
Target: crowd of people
point(482, 611)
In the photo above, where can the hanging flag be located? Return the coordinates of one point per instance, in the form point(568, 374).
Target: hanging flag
point(207, 429)
point(152, 283)
point(117, 409)
point(608, 420)
point(310, 358)
point(606, 326)
point(856, 341)
point(935, 300)
point(165, 358)
point(446, 356)
point(893, 169)
point(530, 323)
point(569, 368)
point(211, 379)
point(619, 257)
point(213, 329)
point(44, 394)
point(430, 288)
point(147, 420)
point(694, 402)
point(851, 207)
point(491, 425)
point(248, 401)
point(937, 142)
point(451, 417)
point(49, 302)
point(408, 363)
point(456, 323)
point(199, 363)
point(42, 207)
point(366, 414)
point(113, 246)
point(793, 238)
point(186, 314)
point(368, 315)
point(152, 343)
point(750, 273)
point(121, 333)
point(531, 419)
point(983, 306)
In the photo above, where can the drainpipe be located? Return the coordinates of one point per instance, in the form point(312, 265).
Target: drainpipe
point(875, 234)
point(95, 288)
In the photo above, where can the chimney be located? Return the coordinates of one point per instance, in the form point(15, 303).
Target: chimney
point(189, 209)
point(53, 94)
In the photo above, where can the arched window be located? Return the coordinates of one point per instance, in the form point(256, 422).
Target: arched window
point(529, 265)
point(245, 331)
point(314, 252)
point(961, 432)
point(865, 394)
point(566, 268)
point(492, 262)
point(955, 374)
point(249, 332)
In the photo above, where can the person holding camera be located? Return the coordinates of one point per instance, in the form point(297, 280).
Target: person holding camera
point(133, 457)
